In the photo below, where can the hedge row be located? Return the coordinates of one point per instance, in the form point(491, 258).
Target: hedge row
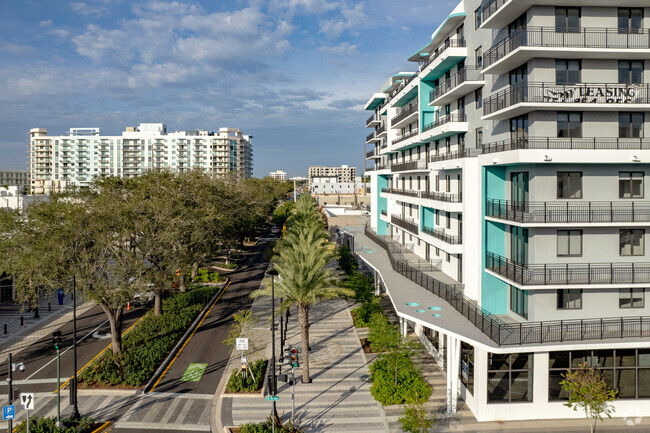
point(145, 347)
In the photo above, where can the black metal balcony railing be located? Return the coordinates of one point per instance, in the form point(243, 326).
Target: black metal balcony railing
point(412, 108)
point(568, 273)
point(370, 154)
point(491, 7)
point(569, 212)
point(591, 143)
point(402, 85)
point(381, 128)
point(439, 196)
point(370, 119)
point(440, 234)
point(468, 73)
point(406, 224)
point(607, 93)
point(420, 164)
point(370, 136)
point(579, 37)
point(459, 43)
point(445, 119)
point(405, 136)
point(463, 153)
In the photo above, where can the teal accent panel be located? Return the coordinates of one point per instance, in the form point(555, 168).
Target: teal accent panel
point(494, 291)
point(382, 204)
point(428, 218)
point(426, 112)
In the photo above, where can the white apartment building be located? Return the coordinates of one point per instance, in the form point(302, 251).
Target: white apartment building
point(279, 175)
point(19, 178)
point(330, 185)
point(342, 173)
point(512, 162)
point(82, 154)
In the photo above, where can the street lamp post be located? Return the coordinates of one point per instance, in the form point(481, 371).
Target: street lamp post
point(73, 389)
point(274, 383)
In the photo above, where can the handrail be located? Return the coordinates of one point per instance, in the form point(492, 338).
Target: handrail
point(587, 143)
point(406, 224)
point(445, 119)
point(405, 136)
point(440, 234)
point(449, 43)
point(420, 164)
point(594, 93)
point(412, 108)
point(568, 212)
point(431, 195)
point(491, 7)
point(463, 153)
point(579, 37)
point(468, 73)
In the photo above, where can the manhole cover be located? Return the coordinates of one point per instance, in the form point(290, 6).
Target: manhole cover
point(323, 352)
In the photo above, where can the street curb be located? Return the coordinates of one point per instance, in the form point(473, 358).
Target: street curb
point(180, 343)
point(103, 427)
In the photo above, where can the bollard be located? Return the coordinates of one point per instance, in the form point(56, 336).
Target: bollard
point(21, 321)
point(49, 306)
point(5, 326)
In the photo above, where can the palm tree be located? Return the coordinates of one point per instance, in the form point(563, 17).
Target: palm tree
point(300, 260)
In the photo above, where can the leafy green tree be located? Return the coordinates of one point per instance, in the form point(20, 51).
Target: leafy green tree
point(416, 419)
point(243, 323)
point(347, 261)
point(300, 260)
point(383, 336)
point(589, 391)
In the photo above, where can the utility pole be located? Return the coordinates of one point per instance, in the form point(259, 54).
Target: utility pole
point(73, 389)
point(56, 337)
point(11, 390)
point(274, 382)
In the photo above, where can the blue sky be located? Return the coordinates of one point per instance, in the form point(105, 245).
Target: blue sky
point(293, 73)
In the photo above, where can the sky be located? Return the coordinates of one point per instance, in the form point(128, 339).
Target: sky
point(294, 74)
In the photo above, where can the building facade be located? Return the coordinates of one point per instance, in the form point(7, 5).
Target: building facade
point(330, 185)
point(279, 175)
point(342, 173)
point(19, 178)
point(513, 162)
point(82, 154)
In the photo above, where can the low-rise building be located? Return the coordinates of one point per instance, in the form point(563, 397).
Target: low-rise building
point(342, 173)
point(279, 175)
point(19, 178)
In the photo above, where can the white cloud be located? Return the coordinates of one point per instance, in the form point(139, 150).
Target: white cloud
point(60, 33)
point(351, 18)
point(344, 49)
point(45, 23)
point(87, 9)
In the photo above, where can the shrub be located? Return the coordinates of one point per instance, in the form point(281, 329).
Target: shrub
point(48, 425)
point(347, 261)
point(395, 380)
point(363, 288)
point(205, 276)
point(252, 427)
point(362, 314)
point(416, 419)
point(238, 384)
point(382, 335)
point(144, 348)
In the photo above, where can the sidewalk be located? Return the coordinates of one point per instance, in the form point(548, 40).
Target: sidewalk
point(19, 337)
point(338, 399)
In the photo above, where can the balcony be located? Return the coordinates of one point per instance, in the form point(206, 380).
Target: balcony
point(464, 153)
point(398, 98)
point(370, 138)
point(568, 273)
point(406, 116)
point(526, 97)
point(440, 234)
point(384, 213)
point(404, 223)
point(430, 195)
point(419, 165)
point(380, 131)
point(568, 212)
point(579, 43)
point(497, 14)
point(461, 83)
point(373, 154)
point(373, 120)
point(405, 136)
point(443, 58)
point(591, 143)
point(444, 126)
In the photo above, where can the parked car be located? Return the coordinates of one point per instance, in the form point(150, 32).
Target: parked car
point(275, 229)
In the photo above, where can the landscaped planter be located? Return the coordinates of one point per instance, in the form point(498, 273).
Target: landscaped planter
point(219, 284)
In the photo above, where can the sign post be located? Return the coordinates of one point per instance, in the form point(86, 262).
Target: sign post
point(27, 403)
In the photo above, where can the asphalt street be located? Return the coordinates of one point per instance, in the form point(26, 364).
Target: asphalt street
point(93, 336)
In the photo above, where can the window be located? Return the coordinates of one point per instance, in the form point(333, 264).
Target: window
point(569, 243)
point(437, 250)
point(569, 184)
point(630, 298)
point(437, 181)
point(478, 58)
point(461, 109)
point(510, 377)
point(626, 370)
point(629, 20)
point(437, 213)
point(479, 137)
point(478, 97)
point(567, 20)
point(447, 183)
point(569, 299)
point(630, 125)
point(631, 242)
point(519, 128)
point(569, 124)
point(567, 71)
point(448, 257)
point(630, 71)
point(519, 301)
point(448, 221)
point(630, 184)
point(477, 18)
point(467, 366)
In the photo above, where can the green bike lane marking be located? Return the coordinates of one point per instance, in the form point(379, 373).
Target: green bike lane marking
point(194, 372)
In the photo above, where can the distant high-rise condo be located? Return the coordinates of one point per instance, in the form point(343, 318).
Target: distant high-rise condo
point(508, 179)
point(279, 175)
point(82, 154)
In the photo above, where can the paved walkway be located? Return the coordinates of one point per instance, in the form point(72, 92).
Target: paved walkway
point(338, 399)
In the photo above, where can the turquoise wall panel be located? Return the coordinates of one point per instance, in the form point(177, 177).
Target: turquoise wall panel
point(428, 218)
point(382, 204)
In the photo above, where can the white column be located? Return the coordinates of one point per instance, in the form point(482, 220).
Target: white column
point(402, 326)
point(453, 366)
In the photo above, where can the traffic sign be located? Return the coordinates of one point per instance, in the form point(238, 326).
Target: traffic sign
point(27, 401)
point(8, 412)
point(272, 397)
point(242, 344)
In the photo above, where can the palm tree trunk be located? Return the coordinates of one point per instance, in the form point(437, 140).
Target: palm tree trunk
point(303, 320)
